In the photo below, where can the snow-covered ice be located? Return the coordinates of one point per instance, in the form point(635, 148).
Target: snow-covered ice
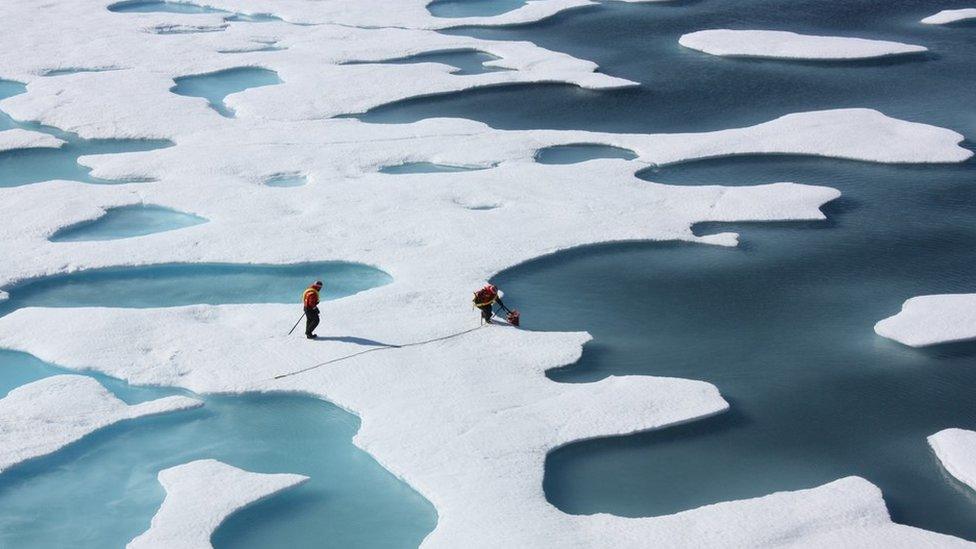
point(790, 45)
point(946, 17)
point(44, 416)
point(468, 429)
point(956, 450)
point(932, 319)
point(18, 138)
point(199, 496)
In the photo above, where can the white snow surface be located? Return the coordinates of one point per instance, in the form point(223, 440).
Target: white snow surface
point(932, 319)
point(466, 421)
point(956, 450)
point(44, 416)
point(18, 138)
point(199, 496)
point(946, 17)
point(790, 45)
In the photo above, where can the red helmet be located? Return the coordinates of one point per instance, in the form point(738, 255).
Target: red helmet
point(491, 288)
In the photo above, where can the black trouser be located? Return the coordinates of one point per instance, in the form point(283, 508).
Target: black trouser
point(311, 320)
point(486, 312)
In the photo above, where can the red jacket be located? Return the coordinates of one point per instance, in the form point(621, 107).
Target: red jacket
point(484, 297)
point(310, 299)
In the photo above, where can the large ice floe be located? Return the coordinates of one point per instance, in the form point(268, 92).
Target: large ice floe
point(790, 45)
point(199, 496)
point(44, 416)
point(946, 17)
point(932, 319)
point(463, 414)
point(956, 450)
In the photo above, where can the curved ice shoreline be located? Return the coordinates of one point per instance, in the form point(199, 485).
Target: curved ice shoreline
point(946, 17)
point(790, 45)
point(42, 417)
point(199, 496)
point(469, 430)
point(956, 450)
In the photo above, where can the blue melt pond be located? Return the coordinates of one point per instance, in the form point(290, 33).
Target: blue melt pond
point(155, 6)
point(103, 491)
point(216, 86)
point(426, 167)
point(177, 284)
point(464, 61)
point(572, 154)
point(472, 8)
point(126, 222)
point(286, 180)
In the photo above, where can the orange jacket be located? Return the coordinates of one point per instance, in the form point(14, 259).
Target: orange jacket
point(310, 299)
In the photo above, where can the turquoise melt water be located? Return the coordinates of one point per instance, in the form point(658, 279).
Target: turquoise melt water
point(572, 154)
point(26, 166)
point(102, 491)
point(286, 180)
point(216, 86)
point(427, 167)
point(176, 284)
point(155, 6)
point(464, 61)
point(127, 222)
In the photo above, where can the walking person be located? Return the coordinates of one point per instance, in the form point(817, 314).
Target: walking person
point(310, 301)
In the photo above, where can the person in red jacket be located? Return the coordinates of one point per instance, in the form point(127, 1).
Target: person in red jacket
point(310, 301)
point(485, 299)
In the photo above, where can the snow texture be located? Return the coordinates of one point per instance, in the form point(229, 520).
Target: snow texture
point(946, 17)
point(44, 416)
point(468, 420)
point(25, 139)
point(199, 496)
point(790, 45)
point(956, 450)
point(932, 319)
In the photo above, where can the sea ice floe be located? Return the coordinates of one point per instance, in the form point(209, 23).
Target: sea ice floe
point(790, 45)
point(932, 319)
point(956, 450)
point(468, 418)
point(946, 17)
point(19, 138)
point(44, 416)
point(199, 496)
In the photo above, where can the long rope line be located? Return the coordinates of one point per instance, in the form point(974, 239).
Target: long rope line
point(383, 348)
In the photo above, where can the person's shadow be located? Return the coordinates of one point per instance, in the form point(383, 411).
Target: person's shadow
point(356, 341)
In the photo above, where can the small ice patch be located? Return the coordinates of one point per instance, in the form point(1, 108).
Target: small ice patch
point(127, 222)
point(790, 45)
point(931, 320)
point(946, 17)
point(199, 496)
point(956, 450)
point(44, 416)
point(19, 138)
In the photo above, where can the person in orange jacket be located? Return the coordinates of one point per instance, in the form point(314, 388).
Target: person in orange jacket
point(485, 299)
point(310, 301)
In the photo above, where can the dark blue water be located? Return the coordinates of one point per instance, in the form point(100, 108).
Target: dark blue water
point(127, 222)
point(101, 492)
point(464, 61)
point(472, 8)
point(216, 86)
point(572, 154)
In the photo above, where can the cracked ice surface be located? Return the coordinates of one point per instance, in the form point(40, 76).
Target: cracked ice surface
point(790, 45)
point(932, 319)
point(466, 421)
point(956, 450)
point(44, 416)
point(199, 496)
point(946, 17)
